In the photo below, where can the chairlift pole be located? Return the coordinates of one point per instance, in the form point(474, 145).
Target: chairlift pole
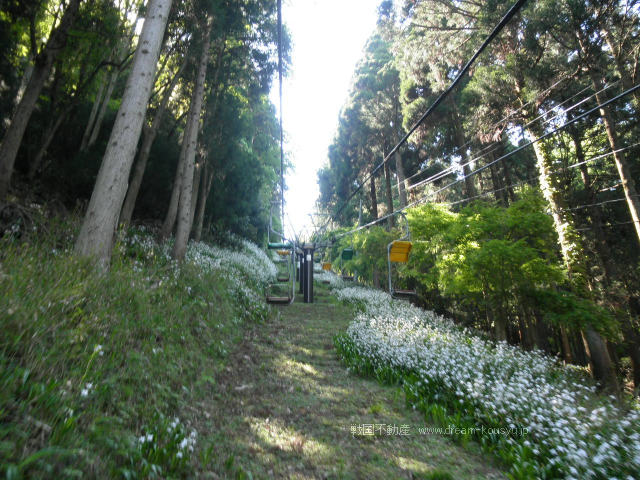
point(301, 270)
point(308, 272)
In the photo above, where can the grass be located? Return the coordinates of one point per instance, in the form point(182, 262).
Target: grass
point(154, 371)
point(287, 407)
point(90, 363)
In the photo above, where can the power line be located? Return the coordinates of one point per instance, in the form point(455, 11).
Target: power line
point(496, 30)
point(451, 169)
point(605, 202)
point(604, 155)
point(484, 167)
point(493, 147)
point(531, 179)
point(281, 128)
point(608, 225)
point(542, 137)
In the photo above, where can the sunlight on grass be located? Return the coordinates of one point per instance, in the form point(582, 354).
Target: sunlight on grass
point(412, 465)
point(274, 433)
point(294, 368)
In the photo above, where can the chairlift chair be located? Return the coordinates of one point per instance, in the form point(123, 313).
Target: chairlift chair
point(398, 252)
point(346, 255)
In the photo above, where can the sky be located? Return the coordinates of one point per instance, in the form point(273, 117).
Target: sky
point(328, 38)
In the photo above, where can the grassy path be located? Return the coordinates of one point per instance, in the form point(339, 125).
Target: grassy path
point(284, 407)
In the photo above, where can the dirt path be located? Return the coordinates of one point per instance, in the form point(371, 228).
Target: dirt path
point(285, 408)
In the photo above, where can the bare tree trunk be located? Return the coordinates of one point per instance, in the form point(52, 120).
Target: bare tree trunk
point(498, 186)
point(94, 112)
point(172, 211)
point(100, 222)
point(599, 359)
point(48, 137)
point(603, 251)
point(43, 63)
point(121, 55)
point(202, 203)
point(506, 170)
point(610, 269)
point(54, 124)
point(402, 188)
point(24, 81)
point(143, 157)
point(374, 199)
point(113, 78)
point(469, 186)
point(197, 180)
point(184, 211)
point(208, 171)
point(627, 77)
point(387, 184)
point(567, 353)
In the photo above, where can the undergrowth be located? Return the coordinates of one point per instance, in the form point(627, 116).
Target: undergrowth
point(98, 370)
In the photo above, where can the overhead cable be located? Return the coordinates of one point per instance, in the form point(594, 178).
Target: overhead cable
point(513, 152)
point(494, 33)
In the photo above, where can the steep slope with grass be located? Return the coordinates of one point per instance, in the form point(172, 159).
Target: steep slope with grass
point(99, 373)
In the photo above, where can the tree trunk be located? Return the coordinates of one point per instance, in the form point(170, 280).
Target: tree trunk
point(374, 198)
point(47, 138)
point(573, 255)
point(603, 250)
point(599, 359)
point(567, 353)
point(207, 179)
point(172, 211)
point(24, 80)
point(43, 63)
point(626, 178)
point(628, 80)
point(197, 180)
point(500, 193)
point(149, 137)
point(100, 222)
point(50, 132)
point(97, 126)
point(632, 338)
point(499, 323)
point(387, 183)
point(469, 186)
point(184, 211)
point(113, 80)
point(506, 171)
point(542, 332)
point(402, 188)
point(202, 203)
point(94, 112)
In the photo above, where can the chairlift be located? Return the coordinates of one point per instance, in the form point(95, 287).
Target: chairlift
point(282, 292)
point(398, 252)
point(346, 255)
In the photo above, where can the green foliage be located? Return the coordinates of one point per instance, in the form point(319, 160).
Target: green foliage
point(240, 132)
point(97, 370)
point(498, 261)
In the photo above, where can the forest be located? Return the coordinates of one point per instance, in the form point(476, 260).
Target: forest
point(475, 310)
point(519, 188)
point(194, 105)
